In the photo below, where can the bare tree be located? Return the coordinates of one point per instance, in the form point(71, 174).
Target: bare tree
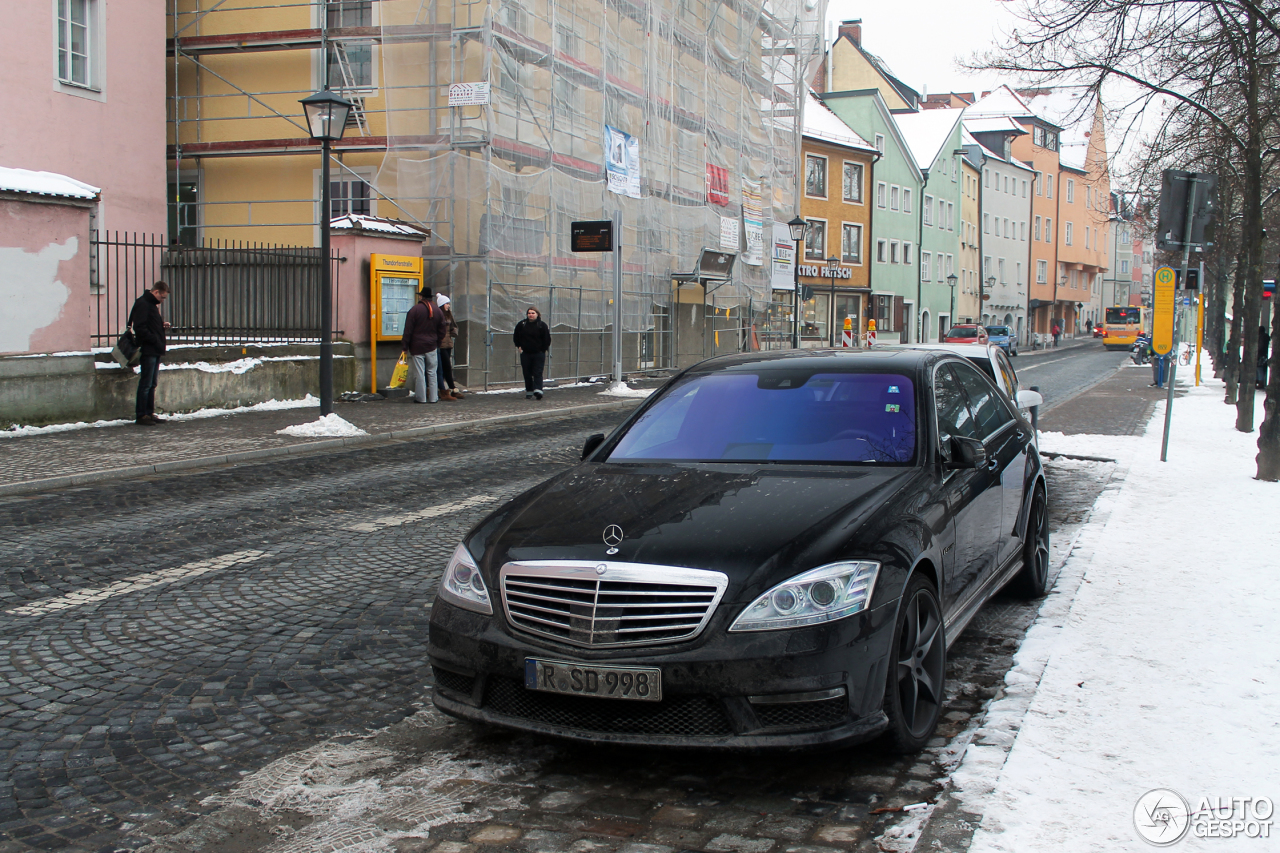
point(1210, 64)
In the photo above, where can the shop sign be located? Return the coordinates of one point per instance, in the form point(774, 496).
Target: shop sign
point(825, 272)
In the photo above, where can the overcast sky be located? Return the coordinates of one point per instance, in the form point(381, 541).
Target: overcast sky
point(920, 40)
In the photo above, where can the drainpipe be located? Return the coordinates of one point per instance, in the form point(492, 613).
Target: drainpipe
point(871, 238)
point(919, 247)
point(982, 237)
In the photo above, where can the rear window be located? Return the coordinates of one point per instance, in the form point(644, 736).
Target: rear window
point(997, 330)
point(775, 416)
point(962, 333)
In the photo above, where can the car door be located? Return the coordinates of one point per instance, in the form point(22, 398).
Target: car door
point(1006, 441)
point(966, 492)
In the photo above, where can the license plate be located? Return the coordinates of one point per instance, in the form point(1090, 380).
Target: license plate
point(602, 682)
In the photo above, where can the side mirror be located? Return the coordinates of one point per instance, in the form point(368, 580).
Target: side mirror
point(592, 442)
point(966, 453)
point(1028, 399)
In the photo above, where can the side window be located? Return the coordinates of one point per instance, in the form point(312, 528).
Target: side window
point(989, 411)
point(954, 417)
point(1006, 370)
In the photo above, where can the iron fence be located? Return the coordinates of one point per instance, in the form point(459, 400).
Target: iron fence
point(224, 292)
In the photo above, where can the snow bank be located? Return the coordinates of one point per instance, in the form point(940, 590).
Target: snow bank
point(329, 426)
point(268, 406)
point(622, 389)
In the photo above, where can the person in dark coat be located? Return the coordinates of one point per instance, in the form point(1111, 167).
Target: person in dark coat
point(533, 340)
point(423, 331)
point(444, 371)
point(1264, 353)
point(149, 330)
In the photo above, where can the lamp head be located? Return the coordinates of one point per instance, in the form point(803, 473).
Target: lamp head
point(798, 226)
point(326, 115)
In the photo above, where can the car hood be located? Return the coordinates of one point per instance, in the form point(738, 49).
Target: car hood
point(751, 523)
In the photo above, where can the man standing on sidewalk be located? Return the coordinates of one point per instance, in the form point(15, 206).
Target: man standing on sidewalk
point(423, 332)
point(533, 339)
point(149, 330)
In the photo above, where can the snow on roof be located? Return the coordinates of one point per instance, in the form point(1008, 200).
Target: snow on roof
point(44, 183)
point(374, 223)
point(1072, 109)
point(926, 132)
point(991, 124)
point(821, 123)
point(999, 102)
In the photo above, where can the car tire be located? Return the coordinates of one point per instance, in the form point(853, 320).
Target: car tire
point(1013, 353)
point(916, 683)
point(1033, 580)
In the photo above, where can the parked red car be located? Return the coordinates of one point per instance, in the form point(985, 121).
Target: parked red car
point(965, 333)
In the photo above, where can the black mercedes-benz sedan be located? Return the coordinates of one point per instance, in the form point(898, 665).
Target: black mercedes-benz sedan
point(775, 550)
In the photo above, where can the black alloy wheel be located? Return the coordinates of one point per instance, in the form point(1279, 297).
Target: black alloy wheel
point(917, 669)
point(1033, 580)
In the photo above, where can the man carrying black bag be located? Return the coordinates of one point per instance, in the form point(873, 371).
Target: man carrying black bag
point(149, 330)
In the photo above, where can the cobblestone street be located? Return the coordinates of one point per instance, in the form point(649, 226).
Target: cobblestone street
point(204, 661)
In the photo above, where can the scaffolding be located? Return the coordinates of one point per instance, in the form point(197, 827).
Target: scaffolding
point(708, 91)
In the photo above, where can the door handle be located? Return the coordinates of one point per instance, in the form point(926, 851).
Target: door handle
point(993, 464)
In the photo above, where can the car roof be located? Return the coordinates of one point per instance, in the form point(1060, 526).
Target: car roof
point(888, 359)
point(974, 350)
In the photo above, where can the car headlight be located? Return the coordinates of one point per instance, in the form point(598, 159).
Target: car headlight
point(462, 584)
point(819, 595)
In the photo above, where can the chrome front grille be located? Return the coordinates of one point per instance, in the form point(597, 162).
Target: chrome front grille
point(605, 604)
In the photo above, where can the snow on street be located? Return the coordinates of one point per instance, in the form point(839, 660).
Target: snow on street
point(1154, 664)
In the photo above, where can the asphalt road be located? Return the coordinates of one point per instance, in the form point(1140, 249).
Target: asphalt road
point(1061, 374)
point(168, 638)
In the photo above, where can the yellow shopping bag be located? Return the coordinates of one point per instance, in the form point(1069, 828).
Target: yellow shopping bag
point(400, 374)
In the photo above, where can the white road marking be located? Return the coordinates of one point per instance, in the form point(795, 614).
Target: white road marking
point(429, 512)
point(134, 584)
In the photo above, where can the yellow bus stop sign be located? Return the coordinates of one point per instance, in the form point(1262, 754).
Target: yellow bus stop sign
point(1162, 314)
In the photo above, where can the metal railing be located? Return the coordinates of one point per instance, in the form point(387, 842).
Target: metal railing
point(223, 293)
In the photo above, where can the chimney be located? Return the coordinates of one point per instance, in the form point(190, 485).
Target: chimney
point(852, 29)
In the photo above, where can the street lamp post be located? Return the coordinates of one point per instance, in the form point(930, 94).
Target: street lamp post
point(982, 300)
point(326, 120)
point(833, 264)
point(951, 282)
point(798, 227)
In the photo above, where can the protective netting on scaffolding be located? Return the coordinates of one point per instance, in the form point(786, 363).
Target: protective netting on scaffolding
point(679, 114)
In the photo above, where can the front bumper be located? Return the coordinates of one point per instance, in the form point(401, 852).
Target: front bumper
point(812, 686)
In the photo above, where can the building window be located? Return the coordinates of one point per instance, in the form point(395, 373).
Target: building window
point(349, 195)
point(1036, 231)
point(1042, 272)
point(1048, 230)
point(853, 182)
point(926, 266)
point(951, 264)
point(893, 198)
point(882, 251)
point(986, 223)
point(184, 211)
point(1039, 182)
point(1022, 229)
point(75, 34)
point(1000, 269)
point(851, 243)
point(815, 241)
point(906, 253)
point(893, 251)
point(1068, 235)
point(815, 176)
point(986, 177)
point(350, 62)
point(997, 231)
point(1071, 191)
point(1086, 238)
point(1018, 278)
point(1006, 183)
point(1024, 189)
point(880, 143)
point(1048, 185)
point(951, 216)
point(1124, 267)
point(906, 200)
point(928, 210)
point(882, 195)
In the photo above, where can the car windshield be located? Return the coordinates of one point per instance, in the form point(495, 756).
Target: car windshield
point(962, 332)
point(997, 330)
point(778, 415)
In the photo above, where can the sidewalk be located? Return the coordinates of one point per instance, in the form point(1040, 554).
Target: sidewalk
point(1151, 665)
point(98, 454)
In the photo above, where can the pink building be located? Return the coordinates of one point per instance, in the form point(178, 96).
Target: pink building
point(84, 96)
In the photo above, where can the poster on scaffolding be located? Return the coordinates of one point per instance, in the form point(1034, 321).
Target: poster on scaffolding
point(729, 233)
point(784, 259)
point(752, 223)
point(622, 162)
point(717, 185)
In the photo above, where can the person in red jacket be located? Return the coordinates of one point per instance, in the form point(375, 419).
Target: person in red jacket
point(423, 331)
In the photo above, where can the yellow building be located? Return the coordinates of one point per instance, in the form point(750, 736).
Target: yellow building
point(497, 124)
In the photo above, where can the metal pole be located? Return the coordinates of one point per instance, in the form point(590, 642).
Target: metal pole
point(617, 297)
point(326, 291)
point(1199, 322)
point(1177, 321)
point(795, 299)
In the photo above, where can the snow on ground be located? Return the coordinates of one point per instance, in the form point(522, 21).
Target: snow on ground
point(268, 406)
point(328, 426)
point(519, 389)
point(622, 389)
point(1162, 671)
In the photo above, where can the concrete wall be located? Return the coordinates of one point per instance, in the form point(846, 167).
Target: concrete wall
point(110, 134)
point(48, 389)
point(44, 275)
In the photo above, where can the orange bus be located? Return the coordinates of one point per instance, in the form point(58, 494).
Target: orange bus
point(1123, 325)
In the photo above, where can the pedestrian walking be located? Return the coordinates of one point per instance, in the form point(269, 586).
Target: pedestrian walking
point(1264, 353)
point(1057, 333)
point(444, 370)
point(149, 329)
point(1088, 327)
point(533, 340)
point(423, 332)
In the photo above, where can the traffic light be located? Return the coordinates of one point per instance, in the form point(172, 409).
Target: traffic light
point(1171, 229)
